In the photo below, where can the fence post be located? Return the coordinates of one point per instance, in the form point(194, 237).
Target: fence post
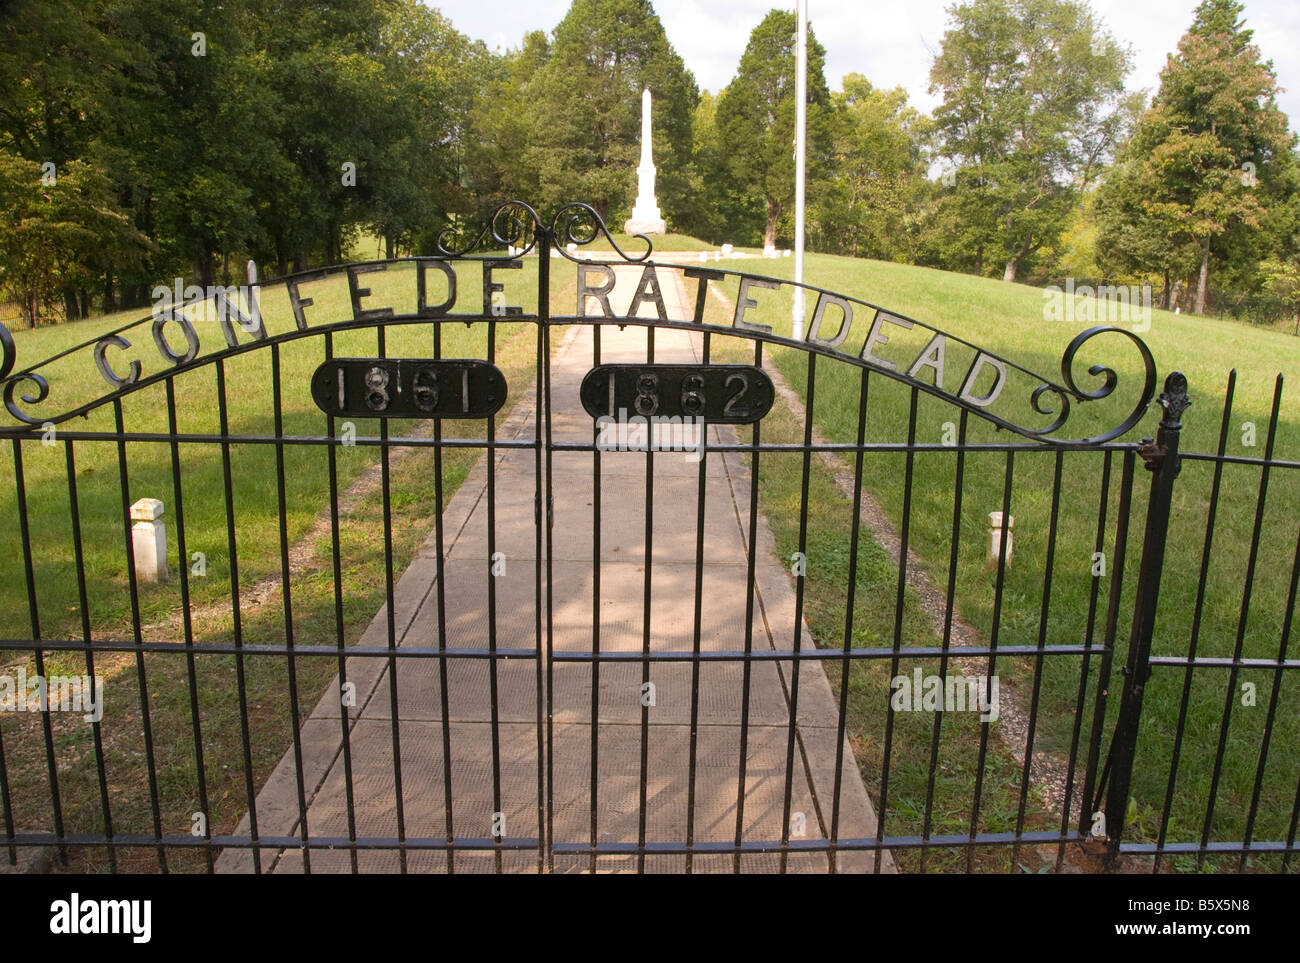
point(1162, 459)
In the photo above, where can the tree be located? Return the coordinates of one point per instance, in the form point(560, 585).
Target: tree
point(496, 154)
point(229, 128)
point(1031, 108)
point(425, 95)
point(877, 175)
point(57, 232)
point(1212, 154)
point(584, 109)
point(1134, 238)
point(756, 118)
point(55, 59)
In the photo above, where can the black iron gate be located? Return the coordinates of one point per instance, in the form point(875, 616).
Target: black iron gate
point(815, 666)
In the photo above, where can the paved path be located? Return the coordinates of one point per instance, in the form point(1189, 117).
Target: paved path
point(621, 601)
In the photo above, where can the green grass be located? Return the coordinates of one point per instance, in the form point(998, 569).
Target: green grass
point(1008, 319)
point(911, 762)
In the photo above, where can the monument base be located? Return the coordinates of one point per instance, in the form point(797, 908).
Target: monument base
point(646, 226)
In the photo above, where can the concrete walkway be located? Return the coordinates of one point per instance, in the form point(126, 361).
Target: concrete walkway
point(513, 764)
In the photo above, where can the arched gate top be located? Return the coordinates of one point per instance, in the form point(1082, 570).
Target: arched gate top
point(833, 330)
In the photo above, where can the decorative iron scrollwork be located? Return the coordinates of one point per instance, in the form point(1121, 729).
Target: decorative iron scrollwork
point(516, 224)
point(8, 358)
point(578, 223)
point(8, 352)
point(1109, 382)
point(513, 224)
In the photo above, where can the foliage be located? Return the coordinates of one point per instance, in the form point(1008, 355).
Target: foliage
point(877, 177)
point(1208, 160)
point(56, 231)
point(756, 118)
point(1032, 103)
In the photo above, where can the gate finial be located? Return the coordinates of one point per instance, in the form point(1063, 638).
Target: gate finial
point(1174, 400)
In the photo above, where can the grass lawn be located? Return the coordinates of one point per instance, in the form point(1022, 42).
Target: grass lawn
point(1009, 320)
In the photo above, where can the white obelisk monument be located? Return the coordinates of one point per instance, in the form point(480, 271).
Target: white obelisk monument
point(645, 218)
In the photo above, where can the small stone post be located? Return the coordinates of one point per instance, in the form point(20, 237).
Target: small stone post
point(149, 540)
point(995, 538)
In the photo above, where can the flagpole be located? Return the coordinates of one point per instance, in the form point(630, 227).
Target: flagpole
point(800, 162)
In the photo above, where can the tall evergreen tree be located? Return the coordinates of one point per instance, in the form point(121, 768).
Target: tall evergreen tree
point(756, 118)
point(585, 109)
point(1209, 159)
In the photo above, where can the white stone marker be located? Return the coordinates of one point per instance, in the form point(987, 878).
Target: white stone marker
point(995, 537)
point(645, 218)
point(149, 540)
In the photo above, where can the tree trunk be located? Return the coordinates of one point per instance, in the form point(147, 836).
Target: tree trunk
point(84, 296)
point(769, 233)
point(1176, 295)
point(281, 258)
point(207, 268)
point(1009, 272)
point(388, 246)
point(110, 294)
point(1204, 279)
point(70, 309)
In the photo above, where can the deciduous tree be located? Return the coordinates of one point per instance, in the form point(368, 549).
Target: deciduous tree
point(1032, 103)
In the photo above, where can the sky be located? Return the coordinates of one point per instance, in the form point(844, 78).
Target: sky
point(891, 42)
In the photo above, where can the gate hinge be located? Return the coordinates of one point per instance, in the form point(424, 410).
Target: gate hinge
point(1142, 675)
point(1152, 453)
point(1095, 845)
